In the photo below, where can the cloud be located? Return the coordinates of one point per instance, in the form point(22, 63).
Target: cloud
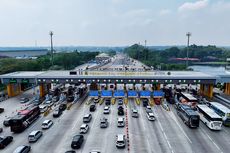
point(165, 12)
point(189, 6)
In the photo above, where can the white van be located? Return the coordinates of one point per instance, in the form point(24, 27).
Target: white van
point(43, 108)
point(87, 118)
point(120, 142)
point(34, 136)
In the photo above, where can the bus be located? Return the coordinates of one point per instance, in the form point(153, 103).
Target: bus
point(188, 115)
point(222, 111)
point(209, 117)
point(187, 98)
point(24, 119)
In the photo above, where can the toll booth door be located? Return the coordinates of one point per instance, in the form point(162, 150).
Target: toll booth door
point(93, 93)
point(132, 94)
point(145, 94)
point(119, 93)
point(106, 93)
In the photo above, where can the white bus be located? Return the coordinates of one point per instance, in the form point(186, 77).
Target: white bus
point(222, 111)
point(209, 117)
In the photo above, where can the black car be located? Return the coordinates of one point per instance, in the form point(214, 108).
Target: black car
point(92, 108)
point(6, 122)
point(62, 106)
point(1, 110)
point(107, 102)
point(4, 141)
point(77, 141)
point(120, 110)
point(145, 102)
point(70, 98)
point(57, 112)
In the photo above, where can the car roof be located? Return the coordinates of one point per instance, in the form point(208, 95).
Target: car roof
point(46, 121)
point(34, 132)
point(87, 115)
point(18, 149)
point(83, 125)
point(120, 118)
point(120, 137)
point(151, 114)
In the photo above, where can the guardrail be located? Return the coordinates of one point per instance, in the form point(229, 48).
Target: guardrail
point(222, 98)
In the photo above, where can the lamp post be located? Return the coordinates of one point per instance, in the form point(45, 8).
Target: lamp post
point(51, 47)
point(188, 34)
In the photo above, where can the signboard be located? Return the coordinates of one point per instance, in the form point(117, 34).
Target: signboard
point(106, 93)
point(132, 93)
point(93, 93)
point(13, 81)
point(25, 80)
point(158, 93)
point(119, 93)
point(145, 94)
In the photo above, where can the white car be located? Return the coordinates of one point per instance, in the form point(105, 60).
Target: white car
point(49, 103)
point(84, 128)
point(120, 142)
point(106, 110)
point(47, 124)
point(151, 116)
point(43, 108)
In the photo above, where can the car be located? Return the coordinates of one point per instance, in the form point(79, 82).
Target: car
point(84, 128)
point(104, 122)
point(63, 106)
point(96, 100)
point(5, 140)
point(47, 124)
point(106, 110)
point(87, 118)
point(77, 141)
point(166, 106)
point(34, 136)
point(95, 151)
point(43, 108)
point(37, 100)
point(49, 103)
point(108, 102)
point(120, 101)
point(57, 112)
point(151, 116)
point(70, 98)
point(6, 122)
point(120, 141)
point(70, 151)
point(55, 99)
point(1, 110)
point(135, 113)
point(148, 109)
point(1, 129)
point(145, 102)
point(120, 110)
point(92, 108)
point(24, 100)
point(22, 149)
point(120, 122)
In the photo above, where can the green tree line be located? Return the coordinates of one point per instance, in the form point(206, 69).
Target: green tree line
point(62, 61)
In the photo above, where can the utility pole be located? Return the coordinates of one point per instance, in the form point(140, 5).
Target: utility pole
point(51, 47)
point(188, 34)
point(145, 43)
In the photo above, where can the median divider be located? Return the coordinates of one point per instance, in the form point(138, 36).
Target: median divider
point(69, 105)
point(126, 101)
point(151, 102)
point(137, 101)
point(113, 101)
point(101, 101)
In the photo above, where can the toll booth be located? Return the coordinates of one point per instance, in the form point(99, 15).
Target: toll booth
point(94, 93)
point(132, 94)
point(106, 93)
point(145, 94)
point(157, 96)
point(119, 93)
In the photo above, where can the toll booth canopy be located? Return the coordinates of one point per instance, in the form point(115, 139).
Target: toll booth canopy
point(93, 93)
point(119, 93)
point(132, 94)
point(145, 94)
point(106, 93)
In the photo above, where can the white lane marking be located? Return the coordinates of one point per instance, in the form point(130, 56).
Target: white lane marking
point(166, 138)
point(175, 119)
point(144, 125)
point(211, 140)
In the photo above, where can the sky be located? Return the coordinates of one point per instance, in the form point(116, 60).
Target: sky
point(114, 22)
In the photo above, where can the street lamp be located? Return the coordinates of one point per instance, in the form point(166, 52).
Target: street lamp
point(51, 46)
point(188, 34)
